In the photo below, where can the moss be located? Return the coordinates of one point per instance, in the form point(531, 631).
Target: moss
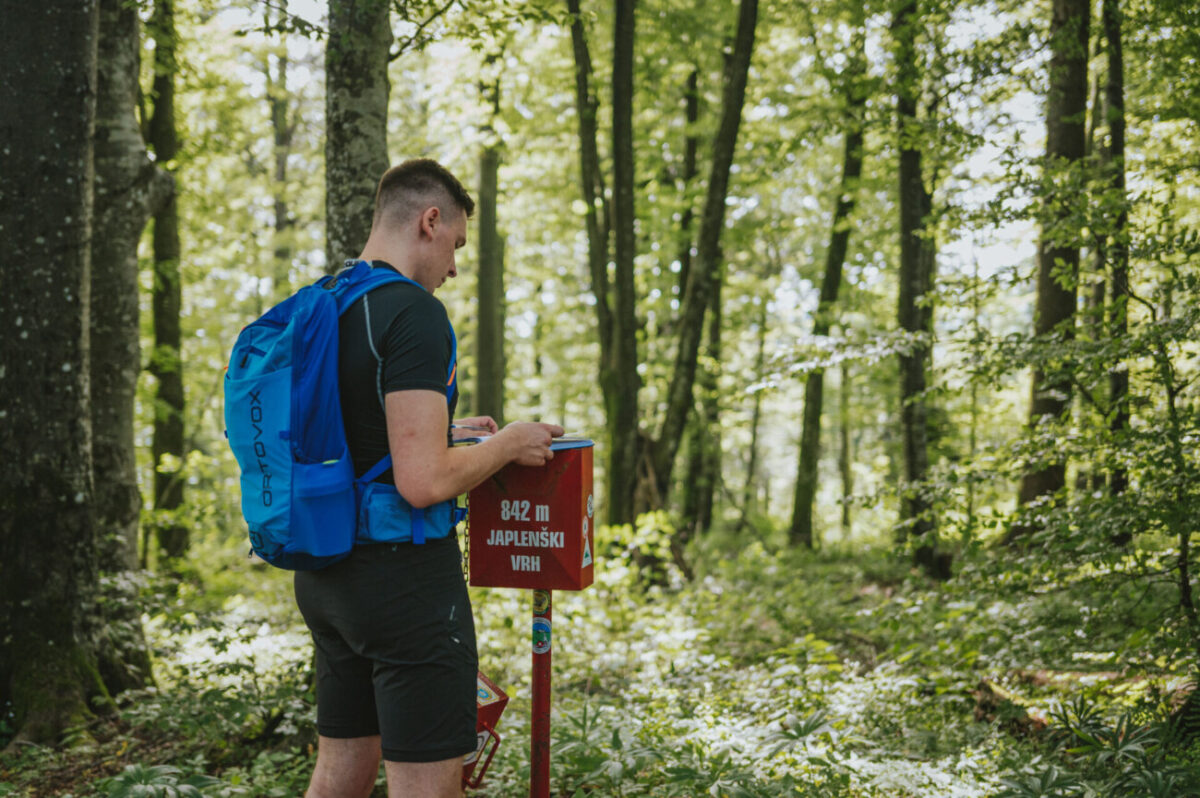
point(51, 689)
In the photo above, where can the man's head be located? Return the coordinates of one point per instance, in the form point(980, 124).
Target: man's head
point(422, 207)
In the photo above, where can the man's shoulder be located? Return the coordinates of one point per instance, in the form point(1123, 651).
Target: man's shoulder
point(403, 296)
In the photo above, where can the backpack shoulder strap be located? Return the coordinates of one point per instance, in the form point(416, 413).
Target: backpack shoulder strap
point(350, 284)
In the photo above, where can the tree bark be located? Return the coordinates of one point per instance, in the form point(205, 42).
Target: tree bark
point(623, 418)
point(128, 187)
point(1117, 248)
point(704, 434)
point(283, 132)
point(48, 570)
point(914, 311)
point(845, 453)
point(703, 277)
point(166, 362)
point(700, 473)
point(489, 335)
point(691, 148)
point(356, 104)
point(801, 531)
point(1058, 250)
point(750, 489)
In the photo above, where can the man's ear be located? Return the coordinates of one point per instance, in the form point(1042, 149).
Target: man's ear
point(430, 218)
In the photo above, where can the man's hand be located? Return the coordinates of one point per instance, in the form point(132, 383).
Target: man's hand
point(531, 441)
point(429, 471)
point(473, 427)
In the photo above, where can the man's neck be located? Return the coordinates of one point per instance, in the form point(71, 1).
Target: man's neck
point(392, 256)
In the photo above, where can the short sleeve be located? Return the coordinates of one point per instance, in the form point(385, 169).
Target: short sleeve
point(416, 347)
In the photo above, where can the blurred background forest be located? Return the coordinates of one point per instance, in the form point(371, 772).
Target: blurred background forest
point(883, 316)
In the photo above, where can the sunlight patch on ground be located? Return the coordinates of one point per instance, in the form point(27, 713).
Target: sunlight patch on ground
point(242, 635)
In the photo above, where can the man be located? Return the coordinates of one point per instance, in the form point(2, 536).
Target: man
point(392, 625)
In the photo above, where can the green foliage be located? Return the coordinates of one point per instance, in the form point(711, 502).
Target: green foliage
point(772, 674)
point(1127, 757)
point(161, 781)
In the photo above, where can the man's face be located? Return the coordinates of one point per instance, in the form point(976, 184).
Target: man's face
point(449, 235)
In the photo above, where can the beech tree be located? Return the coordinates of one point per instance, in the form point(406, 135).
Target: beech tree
point(356, 107)
point(283, 129)
point(703, 277)
point(640, 466)
point(916, 280)
point(166, 360)
point(852, 88)
point(128, 187)
point(1058, 247)
point(48, 567)
point(623, 405)
point(615, 320)
point(489, 333)
point(1115, 249)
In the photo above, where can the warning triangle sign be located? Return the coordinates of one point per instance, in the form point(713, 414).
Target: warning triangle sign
point(587, 551)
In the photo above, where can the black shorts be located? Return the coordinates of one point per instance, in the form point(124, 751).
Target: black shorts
point(395, 645)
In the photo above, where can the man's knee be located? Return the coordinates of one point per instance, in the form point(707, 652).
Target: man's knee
point(425, 779)
point(346, 768)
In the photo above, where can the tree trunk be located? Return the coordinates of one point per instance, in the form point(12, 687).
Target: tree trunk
point(283, 130)
point(691, 147)
point(914, 312)
point(704, 434)
point(1058, 251)
point(539, 400)
point(618, 378)
point(801, 532)
point(700, 473)
point(1117, 249)
point(47, 531)
point(166, 362)
point(845, 454)
point(127, 188)
point(973, 430)
point(1089, 475)
point(703, 277)
point(489, 333)
point(356, 104)
point(750, 489)
point(623, 414)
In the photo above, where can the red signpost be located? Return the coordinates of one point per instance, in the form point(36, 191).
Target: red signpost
point(532, 528)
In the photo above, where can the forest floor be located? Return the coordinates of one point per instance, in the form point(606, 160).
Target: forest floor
point(770, 674)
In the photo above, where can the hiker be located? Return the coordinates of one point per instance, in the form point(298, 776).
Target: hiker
point(391, 623)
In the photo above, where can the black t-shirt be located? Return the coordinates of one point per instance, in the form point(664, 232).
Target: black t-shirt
point(408, 347)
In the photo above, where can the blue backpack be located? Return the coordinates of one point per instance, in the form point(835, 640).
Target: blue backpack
point(283, 418)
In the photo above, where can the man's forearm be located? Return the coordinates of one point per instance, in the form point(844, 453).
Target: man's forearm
point(457, 470)
point(427, 471)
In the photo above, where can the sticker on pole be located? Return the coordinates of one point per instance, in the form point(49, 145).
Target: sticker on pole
point(587, 547)
point(541, 635)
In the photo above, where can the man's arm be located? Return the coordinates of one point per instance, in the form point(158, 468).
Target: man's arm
point(427, 471)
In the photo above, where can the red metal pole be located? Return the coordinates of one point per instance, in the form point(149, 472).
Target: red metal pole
point(539, 748)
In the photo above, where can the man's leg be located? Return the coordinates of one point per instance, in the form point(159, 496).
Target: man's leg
point(425, 779)
point(346, 767)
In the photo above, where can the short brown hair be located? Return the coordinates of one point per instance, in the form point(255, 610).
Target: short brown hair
point(415, 185)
